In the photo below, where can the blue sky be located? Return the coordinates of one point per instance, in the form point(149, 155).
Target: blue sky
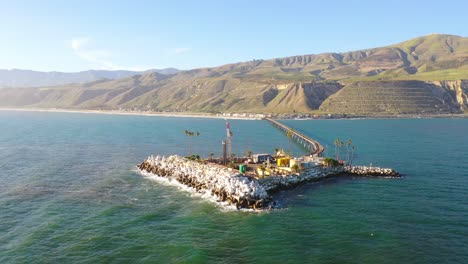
point(137, 35)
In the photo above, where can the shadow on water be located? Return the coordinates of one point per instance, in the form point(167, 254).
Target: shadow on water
point(300, 195)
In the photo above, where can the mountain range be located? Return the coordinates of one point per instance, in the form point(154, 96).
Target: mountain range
point(29, 78)
point(422, 75)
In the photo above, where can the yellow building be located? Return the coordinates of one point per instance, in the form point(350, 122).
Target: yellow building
point(282, 162)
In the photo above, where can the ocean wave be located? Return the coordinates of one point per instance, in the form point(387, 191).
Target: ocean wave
point(192, 192)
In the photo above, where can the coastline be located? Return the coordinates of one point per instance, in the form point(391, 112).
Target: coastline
point(118, 112)
point(208, 115)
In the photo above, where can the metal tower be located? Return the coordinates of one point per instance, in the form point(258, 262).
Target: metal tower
point(228, 139)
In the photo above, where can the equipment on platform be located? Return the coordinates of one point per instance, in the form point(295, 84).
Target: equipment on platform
point(260, 158)
point(229, 139)
point(224, 151)
point(282, 162)
point(293, 162)
point(242, 168)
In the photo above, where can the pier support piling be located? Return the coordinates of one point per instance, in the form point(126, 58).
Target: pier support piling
point(312, 146)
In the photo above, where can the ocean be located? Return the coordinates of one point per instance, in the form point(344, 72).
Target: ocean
point(70, 193)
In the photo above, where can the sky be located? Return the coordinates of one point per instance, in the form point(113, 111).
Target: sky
point(74, 35)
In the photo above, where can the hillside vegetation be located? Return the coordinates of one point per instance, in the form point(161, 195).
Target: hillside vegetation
point(396, 97)
point(423, 75)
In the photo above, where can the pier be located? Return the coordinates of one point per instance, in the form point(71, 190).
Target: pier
point(312, 146)
point(233, 185)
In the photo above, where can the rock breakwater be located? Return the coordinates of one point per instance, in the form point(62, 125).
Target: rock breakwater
point(277, 183)
point(233, 188)
point(371, 171)
point(227, 185)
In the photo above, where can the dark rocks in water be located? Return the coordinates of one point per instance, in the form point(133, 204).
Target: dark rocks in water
point(240, 191)
point(237, 190)
point(372, 171)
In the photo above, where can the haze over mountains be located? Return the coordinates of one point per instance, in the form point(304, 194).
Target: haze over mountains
point(29, 78)
point(422, 75)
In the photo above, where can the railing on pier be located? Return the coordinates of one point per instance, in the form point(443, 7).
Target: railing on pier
point(312, 146)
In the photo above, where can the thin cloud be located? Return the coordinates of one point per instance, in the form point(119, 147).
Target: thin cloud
point(84, 49)
point(178, 51)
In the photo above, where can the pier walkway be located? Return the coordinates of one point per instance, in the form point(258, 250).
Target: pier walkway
point(312, 146)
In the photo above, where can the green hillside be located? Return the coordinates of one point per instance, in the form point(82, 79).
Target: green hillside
point(390, 79)
point(392, 97)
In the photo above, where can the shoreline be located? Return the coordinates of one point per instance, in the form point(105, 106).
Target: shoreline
point(208, 115)
point(117, 112)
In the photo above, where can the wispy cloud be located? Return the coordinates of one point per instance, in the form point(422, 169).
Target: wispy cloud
point(177, 51)
point(83, 48)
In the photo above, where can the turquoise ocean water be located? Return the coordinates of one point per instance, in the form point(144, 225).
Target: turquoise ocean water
point(69, 193)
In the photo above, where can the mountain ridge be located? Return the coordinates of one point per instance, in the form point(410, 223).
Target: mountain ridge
point(413, 72)
point(30, 78)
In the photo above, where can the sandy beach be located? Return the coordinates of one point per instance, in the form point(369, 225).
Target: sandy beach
point(117, 112)
point(208, 115)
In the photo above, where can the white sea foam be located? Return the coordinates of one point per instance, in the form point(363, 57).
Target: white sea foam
point(206, 195)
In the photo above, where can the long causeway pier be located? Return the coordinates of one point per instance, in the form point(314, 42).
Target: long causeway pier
point(312, 146)
point(233, 188)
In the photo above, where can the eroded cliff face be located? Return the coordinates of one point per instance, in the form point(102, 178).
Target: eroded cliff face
point(458, 89)
point(398, 97)
point(299, 96)
point(153, 93)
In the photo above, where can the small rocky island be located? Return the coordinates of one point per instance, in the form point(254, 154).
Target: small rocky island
point(231, 187)
point(249, 182)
